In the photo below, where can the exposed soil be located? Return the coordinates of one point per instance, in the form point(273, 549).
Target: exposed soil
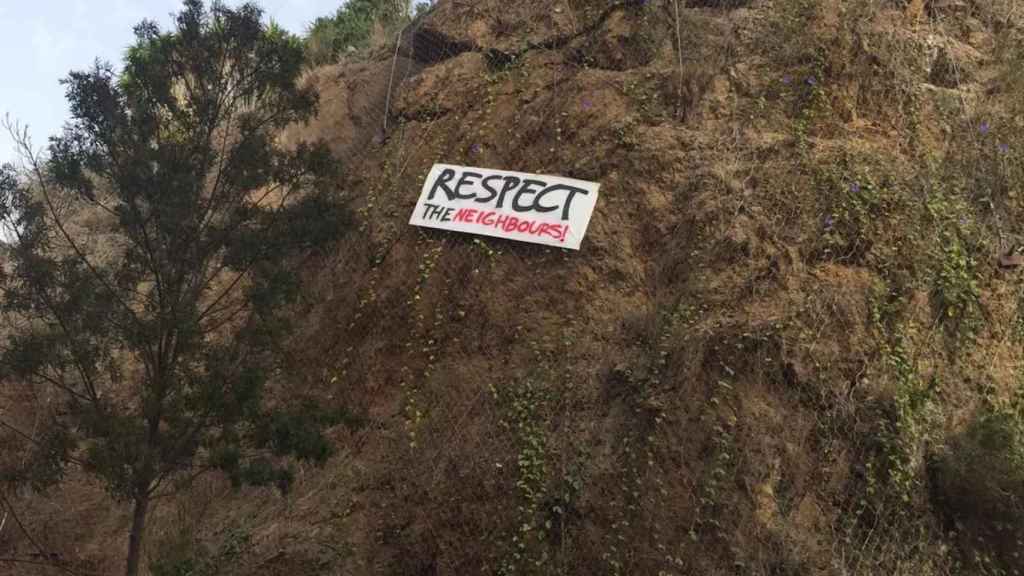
point(710, 385)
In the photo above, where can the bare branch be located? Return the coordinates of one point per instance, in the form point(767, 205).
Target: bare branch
point(28, 536)
point(24, 146)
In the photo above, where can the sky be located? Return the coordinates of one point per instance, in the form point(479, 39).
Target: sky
point(42, 40)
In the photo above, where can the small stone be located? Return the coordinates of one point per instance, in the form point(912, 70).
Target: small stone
point(1011, 259)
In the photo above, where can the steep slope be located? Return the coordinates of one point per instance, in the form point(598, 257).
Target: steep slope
point(795, 301)
point(785, 303)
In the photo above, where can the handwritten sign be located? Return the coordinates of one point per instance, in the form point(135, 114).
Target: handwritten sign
point(540, 209)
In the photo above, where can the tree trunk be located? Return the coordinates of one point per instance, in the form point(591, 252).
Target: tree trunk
point(135, 537)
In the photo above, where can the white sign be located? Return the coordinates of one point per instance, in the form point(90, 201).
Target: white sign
point(541, 209)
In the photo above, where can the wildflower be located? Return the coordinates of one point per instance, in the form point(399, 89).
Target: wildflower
point(829, 222)
point(475, 149)
point(984, 128)
point(587, 104)
point(811, 81)
point(855, 188)
point(787, 79)
point(1004, 148)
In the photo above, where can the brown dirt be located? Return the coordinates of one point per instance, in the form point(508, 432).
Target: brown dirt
point(710, 381)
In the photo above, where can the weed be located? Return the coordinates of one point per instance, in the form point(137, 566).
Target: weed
point(645, 98)
point(979, 479)
point(721, 469)
point(893, 476)
point(490, 253)
point(888, 527)
point(901, 438)
point(812, 104)
point(788, 38)
point(626, 135)
point(1018, 319)
point(858, 208)
point(955, 289)
point(184, 555)
point(522, 405)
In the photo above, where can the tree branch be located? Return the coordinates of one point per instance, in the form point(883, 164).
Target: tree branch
point(255, 259)
point(20, 140)
point(28, 536)
point(29, 439)
point(79, 367)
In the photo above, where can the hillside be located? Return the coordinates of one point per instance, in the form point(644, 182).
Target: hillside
point(790, 344)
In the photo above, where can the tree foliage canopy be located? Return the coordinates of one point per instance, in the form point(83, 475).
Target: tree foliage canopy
point(154, 253)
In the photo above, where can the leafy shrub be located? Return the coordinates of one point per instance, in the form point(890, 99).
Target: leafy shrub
point(183, 554)
point(352, 26)
point(979, 484)
point(956, 292)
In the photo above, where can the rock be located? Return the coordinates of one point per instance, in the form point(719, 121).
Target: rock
point(622, 42)
point(427, 44)
point(1011, 259)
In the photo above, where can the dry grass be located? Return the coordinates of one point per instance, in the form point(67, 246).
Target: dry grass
point(750, 362)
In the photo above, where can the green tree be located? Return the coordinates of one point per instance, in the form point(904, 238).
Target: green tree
point(153, 254)
point(352, 26)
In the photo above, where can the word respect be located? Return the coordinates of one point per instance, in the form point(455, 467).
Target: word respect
point(523, 195)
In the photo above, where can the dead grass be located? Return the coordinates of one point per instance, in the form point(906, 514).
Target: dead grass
point(750, 362)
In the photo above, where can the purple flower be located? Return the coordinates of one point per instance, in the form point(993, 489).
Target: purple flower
point(587, 104)
point(787, 79)
point(811, 81)
point(984, 128)
point(855, 188)
point(1004, 148)
point(829, 222)
point(475, 148)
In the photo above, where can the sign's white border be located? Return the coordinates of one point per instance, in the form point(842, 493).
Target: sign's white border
point(549, 210)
